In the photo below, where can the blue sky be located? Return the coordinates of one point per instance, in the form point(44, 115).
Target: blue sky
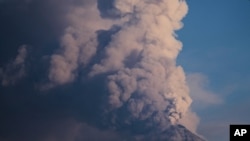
point(216, 41)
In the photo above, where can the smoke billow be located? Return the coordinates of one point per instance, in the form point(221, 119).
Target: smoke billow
point(140, 62)
point(78, 44)
point(112, 77)
point(133, 46)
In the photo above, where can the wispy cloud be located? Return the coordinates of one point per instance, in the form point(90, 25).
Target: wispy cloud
point(202, 96)
point(15, 70)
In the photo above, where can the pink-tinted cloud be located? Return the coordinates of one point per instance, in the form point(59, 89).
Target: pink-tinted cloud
point(15, 70)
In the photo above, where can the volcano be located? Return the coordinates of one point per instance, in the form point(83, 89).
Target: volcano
point(175, 133)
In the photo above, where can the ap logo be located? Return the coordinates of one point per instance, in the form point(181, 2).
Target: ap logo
point(239, 132)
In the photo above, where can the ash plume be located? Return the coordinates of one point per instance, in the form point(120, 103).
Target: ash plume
point(143, 78)
point(132, 46)
point(111, 76)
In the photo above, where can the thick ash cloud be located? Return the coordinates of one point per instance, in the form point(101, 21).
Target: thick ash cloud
point(107, 72)
point(138, 62)
point(78, 44)
point(68, 113)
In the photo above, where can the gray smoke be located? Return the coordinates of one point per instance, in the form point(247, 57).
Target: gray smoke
point(132, 43)
point(14, 70)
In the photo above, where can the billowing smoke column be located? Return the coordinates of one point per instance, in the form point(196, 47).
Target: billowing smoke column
point(138, 61)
